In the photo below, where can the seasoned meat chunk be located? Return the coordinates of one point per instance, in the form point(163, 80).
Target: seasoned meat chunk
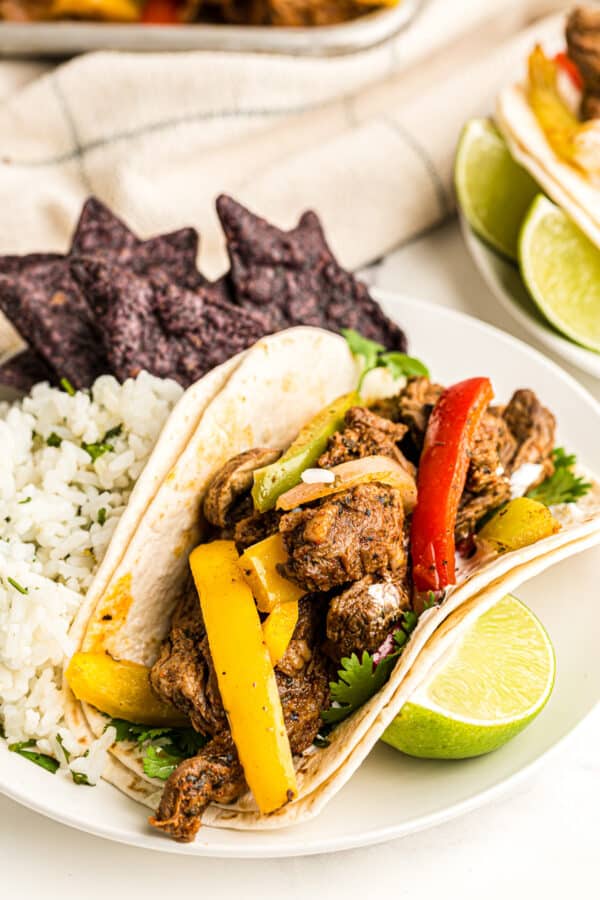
point(232, 481)
point(183, 674)
point(362, 616)
point(255, 527)
point(415, 403)
point(215, 775)
point(344, 537)
point(365, 434)
point(533, 427)
point(487, 485)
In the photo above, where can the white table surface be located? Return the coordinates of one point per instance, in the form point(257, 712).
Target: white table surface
point(539, 839)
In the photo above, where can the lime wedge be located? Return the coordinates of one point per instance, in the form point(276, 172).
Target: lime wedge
point(561, 268)
point(493, 191)
point(493, 681)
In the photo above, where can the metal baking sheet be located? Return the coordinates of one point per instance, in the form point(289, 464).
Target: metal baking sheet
point(68, 38)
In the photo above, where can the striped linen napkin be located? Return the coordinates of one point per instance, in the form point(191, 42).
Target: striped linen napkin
point(366, 140)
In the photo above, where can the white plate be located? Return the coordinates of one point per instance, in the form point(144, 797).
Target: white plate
point(393, 795)
point(505, 282)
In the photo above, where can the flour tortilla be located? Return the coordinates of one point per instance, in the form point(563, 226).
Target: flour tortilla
point(278, 386)
point(528, 144)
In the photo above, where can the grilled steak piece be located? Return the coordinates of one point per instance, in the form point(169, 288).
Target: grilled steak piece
point(415, 403)
point(487, 485)
point(344, 537)
point(215, 775)
point(232, 481)
point(365, 434)
point(256, 527)
point(533, 427)
point(363, 615)
point(183, 674)
point(583, 42)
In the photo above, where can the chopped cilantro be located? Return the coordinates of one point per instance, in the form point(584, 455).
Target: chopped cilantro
point(112, 433)
point(375, 356)
point(96, 450)
point(359, 680)
point(101, 515)
point(54, 440)
point(26, 500)
point(158, 762)
point(80, 778)
point(18, 587)
point(67, 387)
point(24, 749)
point(563, 486)
point(163, 748)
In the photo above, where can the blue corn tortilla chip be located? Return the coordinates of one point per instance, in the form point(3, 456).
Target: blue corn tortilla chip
point(45, 304)
point(293, 277)
point(151, 323)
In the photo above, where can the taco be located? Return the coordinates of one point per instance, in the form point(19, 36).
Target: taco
point(313, 517)
point(551, 122)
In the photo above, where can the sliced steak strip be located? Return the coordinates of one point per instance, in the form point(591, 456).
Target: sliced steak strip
point(534, 429)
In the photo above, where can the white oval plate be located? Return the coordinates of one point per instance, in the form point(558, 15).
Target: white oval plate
point(393, 795)
point(505, 282)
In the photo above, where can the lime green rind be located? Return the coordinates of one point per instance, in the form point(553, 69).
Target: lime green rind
point(485, 688)
point(493, 191)
point(420, 732)
point(561, 270)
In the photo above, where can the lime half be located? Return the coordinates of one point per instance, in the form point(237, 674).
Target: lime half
point(493, 681)
point(561, 268)
point(493, 191)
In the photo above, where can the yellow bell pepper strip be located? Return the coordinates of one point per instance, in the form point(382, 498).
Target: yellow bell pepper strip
point(120, 689)
point(280, 476)
point(245, 674)
point(111, 10)
point(356, 471)
point(521, 522)
point(259, 565)
point(278, 629)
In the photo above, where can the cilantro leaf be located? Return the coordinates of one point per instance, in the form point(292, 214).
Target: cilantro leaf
point(375, 356)
point(26, 500)
point(54, 440)
point(112, 433)
point(23, 748)
point(102, 515)
point(362, 346)
point(158, 762)
point(400, 364)
point(80, 778)
point(359, 680)
point(563, 486)
point(187, 741)
point(97, 450)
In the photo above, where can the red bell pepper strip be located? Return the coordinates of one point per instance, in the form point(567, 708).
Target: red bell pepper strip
point(441, 480)
point(160, 12)
point(564, 62)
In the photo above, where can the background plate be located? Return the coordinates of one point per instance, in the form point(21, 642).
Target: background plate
point(68, 38)
point(393, 795)
point(503, 279)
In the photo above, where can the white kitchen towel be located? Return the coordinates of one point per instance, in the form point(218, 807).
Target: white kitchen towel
point(366, 140)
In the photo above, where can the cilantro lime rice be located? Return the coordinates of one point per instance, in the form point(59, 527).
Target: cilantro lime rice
point(69, 462)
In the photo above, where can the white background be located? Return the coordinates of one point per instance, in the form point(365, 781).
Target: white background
point(540, 839)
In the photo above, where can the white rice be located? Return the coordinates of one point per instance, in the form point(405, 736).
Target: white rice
point(53, 533)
